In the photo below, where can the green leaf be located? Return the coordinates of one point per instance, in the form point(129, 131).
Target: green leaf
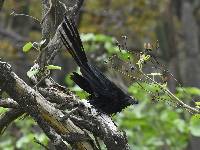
point(146, 57)
point(82, 94)
point(180, 124)
point(32, 72)
point(197, 103)
point(195, 126)
point(96, 37)
point(103, 38)
point(27, 47)
point(6, 144)
point(124, 55)
point(87, 37)
point(3, 110)
point(68, 80)
point(42, 138)
point(193, 91)
point(52, 67)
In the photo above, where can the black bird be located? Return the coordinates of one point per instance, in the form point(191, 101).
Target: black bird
point(104, 94)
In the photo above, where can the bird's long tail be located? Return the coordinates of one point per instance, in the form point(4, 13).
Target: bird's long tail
point(73, 42)
point(71, 39)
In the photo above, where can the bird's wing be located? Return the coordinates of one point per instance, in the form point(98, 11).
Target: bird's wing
point(107, 87)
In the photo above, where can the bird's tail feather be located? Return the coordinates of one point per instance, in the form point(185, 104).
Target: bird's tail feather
point(81, 82)
point(73, 43)
point(71, 39)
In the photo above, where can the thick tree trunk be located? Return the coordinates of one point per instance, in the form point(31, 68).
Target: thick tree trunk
point(190, 70)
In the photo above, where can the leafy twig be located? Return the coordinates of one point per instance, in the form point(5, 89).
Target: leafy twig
point(172, 95)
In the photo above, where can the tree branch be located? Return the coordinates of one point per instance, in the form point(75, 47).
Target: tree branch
point(8, 103)
point(51, 16)
point(36, 105)
point(46, 114)
point(9, 117)
point(55, 138)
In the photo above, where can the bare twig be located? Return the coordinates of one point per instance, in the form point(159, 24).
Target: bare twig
point(9, 117)
point(24, 15)
point(38, 142)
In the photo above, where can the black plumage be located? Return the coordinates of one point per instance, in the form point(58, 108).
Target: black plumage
point(104, 94)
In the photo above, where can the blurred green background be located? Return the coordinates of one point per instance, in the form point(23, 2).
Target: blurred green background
point(151, 125)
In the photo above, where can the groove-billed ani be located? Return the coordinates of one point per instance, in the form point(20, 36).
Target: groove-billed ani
point(104, 94)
